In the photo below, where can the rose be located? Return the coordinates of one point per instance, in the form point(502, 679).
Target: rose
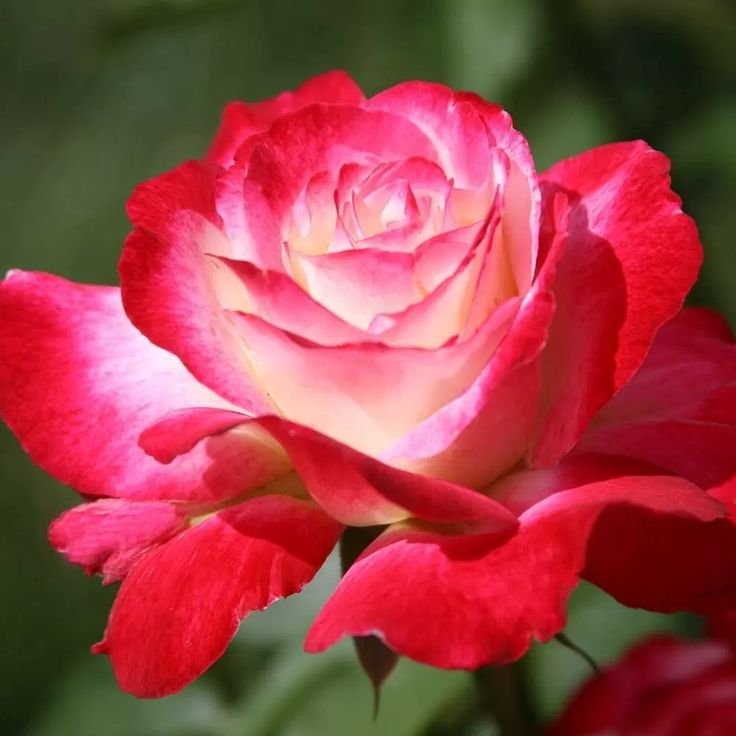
point(662, 687)
point(374, 313)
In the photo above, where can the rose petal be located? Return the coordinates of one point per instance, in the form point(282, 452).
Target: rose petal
point(457, 602)
point(353, 488)
point(359, 284)
point(661, 671)
point(108, 536)
point(486, 429)
point(631, 259)
point(321, 138)
point(190, 322)
point(454, 127)
point(464, 128)
point(189, 187)
point(194, 591)
point(240, 120)
point(78, 383)
point(679, 411)
point(277, 299)
point(364, 394)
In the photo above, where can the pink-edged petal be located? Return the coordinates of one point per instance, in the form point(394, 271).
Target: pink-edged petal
point(189, 187)
point(321, 138)
point(453, 307)
point(277, 299)
point(464, 128)
point(108, 536)
point(456, 602)
point(241, 120)
point(522, 208)
point(78, 383)
point(181, 604)
point(454, 127)
point(359, 284)
point(253, 232)
point(643, 557)
point(679, 411)
point(351, 487)
point(632, 257)
point(487, 428)
point(175, 294)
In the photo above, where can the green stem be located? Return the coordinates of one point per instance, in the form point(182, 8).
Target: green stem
point(502, 696)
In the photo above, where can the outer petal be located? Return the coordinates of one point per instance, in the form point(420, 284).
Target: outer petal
point(189, 187)
point(108, 536)
point(353, 488)
point(642, 557)
point(457, 603)
point(78, 383)
point(631, 259)
point(679, 411)
point(241, 120)
point(180, 606)
point(174, 294)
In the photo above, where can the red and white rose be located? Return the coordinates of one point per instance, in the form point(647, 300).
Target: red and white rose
point(661, 687)
point(374, 312)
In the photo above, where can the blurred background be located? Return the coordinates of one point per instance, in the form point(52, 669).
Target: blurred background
point(101, 94)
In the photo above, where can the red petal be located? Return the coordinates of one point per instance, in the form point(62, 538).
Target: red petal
point(659, 681)
point(78, 383)
point(190, 187)
point(631, 258)
point(460, 602)
point(188, 321)
point(351, 487)
point(108, 536)
point(180, 606)
point(679, 411)
point(241, 120)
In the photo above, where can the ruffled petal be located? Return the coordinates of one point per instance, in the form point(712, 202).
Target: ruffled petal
point(78, 384)
point(181, 604)
point(108, 536)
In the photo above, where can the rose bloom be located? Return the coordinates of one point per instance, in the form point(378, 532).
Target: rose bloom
point(375, 313)
point(661, 687)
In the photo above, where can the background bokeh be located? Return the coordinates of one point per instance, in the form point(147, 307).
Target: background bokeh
point(98, 95)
